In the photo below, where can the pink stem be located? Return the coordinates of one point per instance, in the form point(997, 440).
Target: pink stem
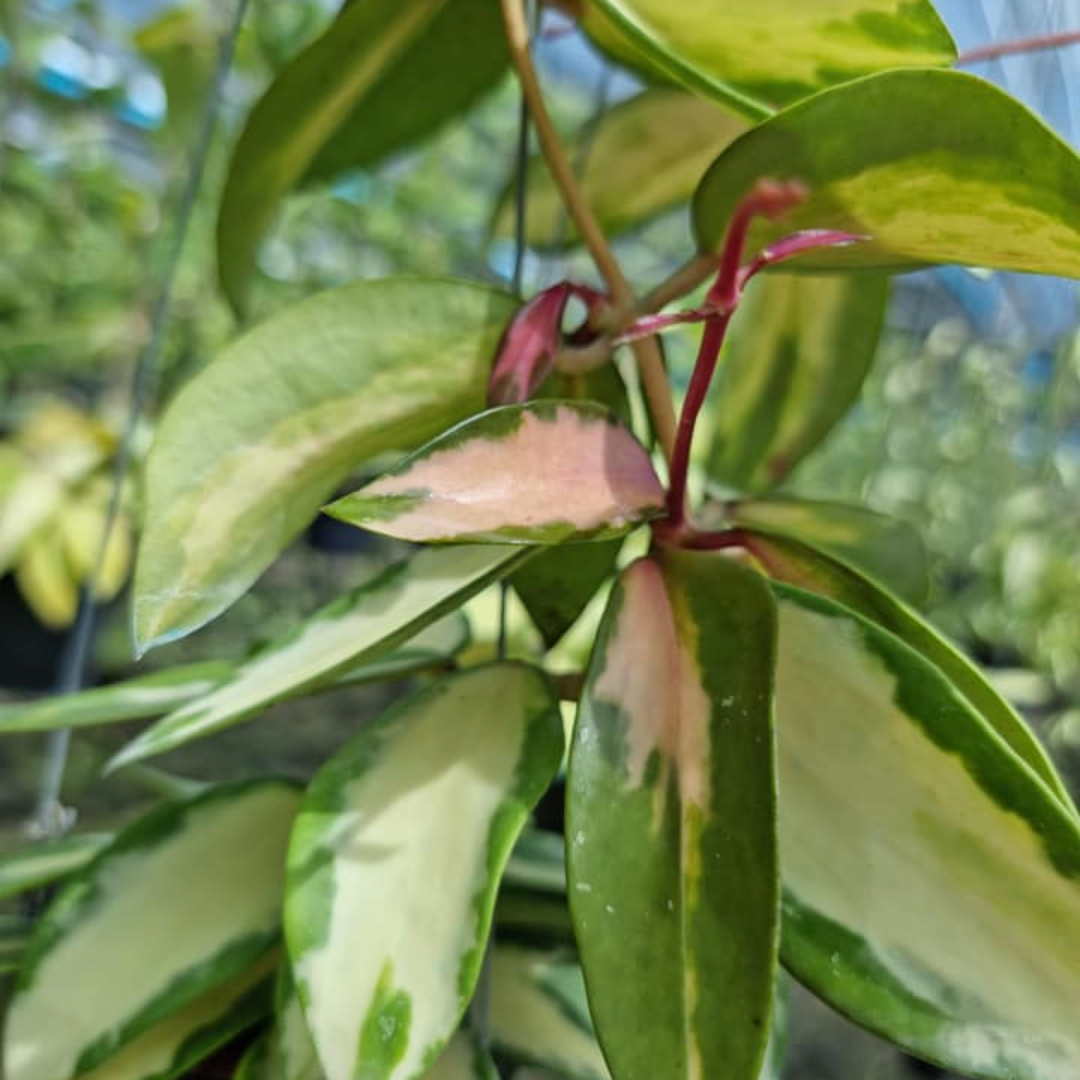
point(711, 340)
point(1020, 45)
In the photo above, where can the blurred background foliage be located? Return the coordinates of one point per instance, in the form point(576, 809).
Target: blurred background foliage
point(968, 427)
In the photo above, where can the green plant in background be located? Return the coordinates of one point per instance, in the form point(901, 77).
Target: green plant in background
point(774, 761)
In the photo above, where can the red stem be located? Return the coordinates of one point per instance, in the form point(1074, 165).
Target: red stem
point(708, 354)
point(1021, 45)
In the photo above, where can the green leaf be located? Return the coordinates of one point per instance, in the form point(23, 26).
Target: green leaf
point(539, 1014)
point(464, 1058)
point(541, 473)
point(258, 440)
point(880, 546)
point(663, 140)
point(793, 366)
point(433, 792)
point(132, 699)
point(671, 798)
point(931, 881)
point(558, 584)
point(181, 902)
point(532, 898)
point(172, 1047)
point(357, 627)
point(163, 691)
point(385, 74)
point(924, 163)
point(790, 561)
point(770, 53)
point(39, 864)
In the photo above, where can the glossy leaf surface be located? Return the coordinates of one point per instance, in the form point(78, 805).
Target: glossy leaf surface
point(436, 790)
point(183, 901)
point(948, 918)
point(752, 57)
point(663, 140)
point(932, 166)
point(799, 349)
point(35, 865)
point(384, 75)
point(671, 797)
point(541, 473)
point(880, 546)
point(789, 561)
point(257, 441)
point(358, 626)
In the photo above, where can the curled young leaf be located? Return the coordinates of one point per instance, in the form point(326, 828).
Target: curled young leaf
point(527, 352)
point(542, 473)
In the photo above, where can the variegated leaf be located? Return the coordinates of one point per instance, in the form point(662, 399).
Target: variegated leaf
point(931, 881)
point(369, 620)
point(384, 75)
point(793, 365)
point(39, 864)
point(176, 1044)
point(132, 699)
point(436, 790)
point(883, 547)
point(663, 139)
point(790, 561)
point(183, 901)
point(259, 439)
point(671, 820)
point(541, 473)
point(539, 1014)
point(918, 161)
point(755, 57)
point(163, 691)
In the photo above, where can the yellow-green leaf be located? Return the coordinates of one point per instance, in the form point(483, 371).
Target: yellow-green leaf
point(931, 166)
point(662, 141)
point(793, 365)
point(258, 440)
point(755, 57)
point(384, 75)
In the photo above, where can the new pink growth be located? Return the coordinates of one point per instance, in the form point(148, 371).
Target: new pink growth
point(771, 199)
point(531, 342)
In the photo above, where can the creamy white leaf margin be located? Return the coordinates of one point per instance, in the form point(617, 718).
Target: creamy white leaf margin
point(932, 883)
point(368, 621)
point(435, 791)
point(183, 900)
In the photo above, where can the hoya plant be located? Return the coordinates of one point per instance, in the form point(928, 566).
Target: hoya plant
point(770, 760)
